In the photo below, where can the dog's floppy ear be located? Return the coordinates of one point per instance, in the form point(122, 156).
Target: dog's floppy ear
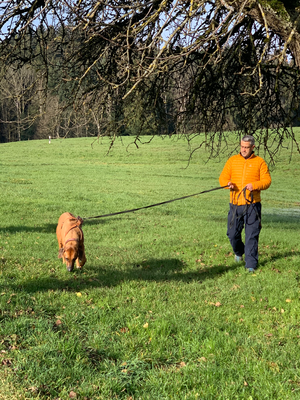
point(60, 253)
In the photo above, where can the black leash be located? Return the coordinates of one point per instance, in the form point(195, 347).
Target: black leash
point(154, 205)
point(248, 203)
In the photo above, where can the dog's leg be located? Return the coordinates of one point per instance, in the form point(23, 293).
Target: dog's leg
point(61, 251)
point(81, 260)
point(80, 263)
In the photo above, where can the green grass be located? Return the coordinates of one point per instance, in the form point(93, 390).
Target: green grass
point(160, 310)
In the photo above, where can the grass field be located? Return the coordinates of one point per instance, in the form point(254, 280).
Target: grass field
point(160, 311)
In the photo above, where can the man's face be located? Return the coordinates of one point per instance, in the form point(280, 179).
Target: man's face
point(246, 149)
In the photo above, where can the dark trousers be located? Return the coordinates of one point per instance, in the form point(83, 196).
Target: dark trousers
point(250, 217)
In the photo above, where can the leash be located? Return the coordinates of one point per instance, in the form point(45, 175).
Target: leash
point(154, 205)
point(248, 203)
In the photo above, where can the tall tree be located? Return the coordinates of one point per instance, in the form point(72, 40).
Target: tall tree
point(17, 93)
point(214, 60)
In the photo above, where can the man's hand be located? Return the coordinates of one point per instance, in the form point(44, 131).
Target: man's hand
point(249, 187)
point(230, 185)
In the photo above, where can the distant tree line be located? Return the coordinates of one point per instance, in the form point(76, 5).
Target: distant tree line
point(27, 113)
point(31, 110)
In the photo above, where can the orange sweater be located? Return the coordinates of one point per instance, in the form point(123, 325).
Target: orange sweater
point(240, 172)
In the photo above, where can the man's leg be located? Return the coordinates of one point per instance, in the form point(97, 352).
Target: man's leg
point(235, 226)
point(252, 230)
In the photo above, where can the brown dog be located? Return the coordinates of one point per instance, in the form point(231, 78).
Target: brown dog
point(70, 241)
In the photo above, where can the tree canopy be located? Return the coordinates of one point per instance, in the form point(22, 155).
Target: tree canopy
point(197, 67)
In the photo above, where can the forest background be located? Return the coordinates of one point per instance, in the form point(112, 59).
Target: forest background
point(89, 68)
point(26, 115)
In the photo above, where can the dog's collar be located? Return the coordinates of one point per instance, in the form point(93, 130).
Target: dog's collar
point(71, 240)
point(73, 227)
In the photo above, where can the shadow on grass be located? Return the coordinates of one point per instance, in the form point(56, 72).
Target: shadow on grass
point(287, 220)
point(156, 270)
point(48, 228)
point(278, 256)
point(164, 270)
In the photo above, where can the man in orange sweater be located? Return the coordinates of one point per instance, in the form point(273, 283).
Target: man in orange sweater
point(246, 175)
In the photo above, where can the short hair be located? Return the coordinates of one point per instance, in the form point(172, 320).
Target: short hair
point(249, 138)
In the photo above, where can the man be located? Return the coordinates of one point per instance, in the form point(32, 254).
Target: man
point(246, 175)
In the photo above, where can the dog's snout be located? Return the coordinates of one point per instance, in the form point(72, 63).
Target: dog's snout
point(70, 267)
